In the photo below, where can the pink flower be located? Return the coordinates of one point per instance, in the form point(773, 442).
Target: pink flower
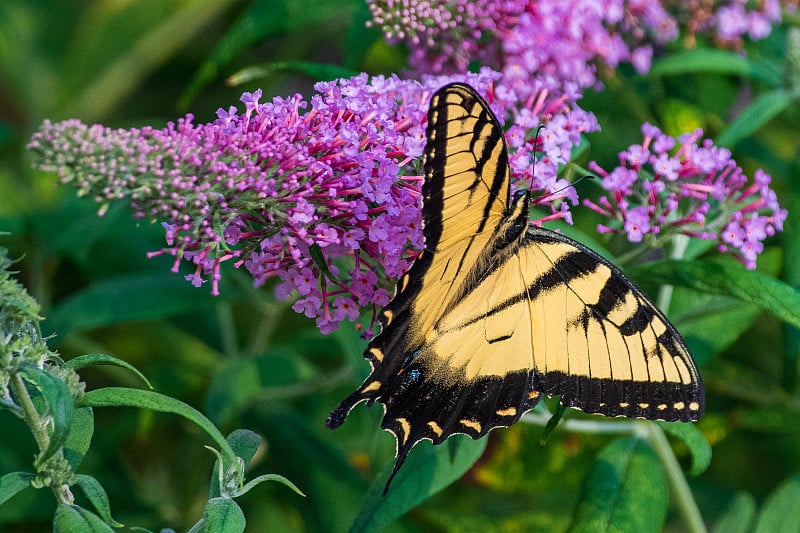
point(698, 191)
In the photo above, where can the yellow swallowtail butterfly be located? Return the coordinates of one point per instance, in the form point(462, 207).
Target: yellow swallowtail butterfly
point(494, 313)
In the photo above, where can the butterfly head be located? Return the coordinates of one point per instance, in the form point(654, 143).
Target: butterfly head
point(515, 223)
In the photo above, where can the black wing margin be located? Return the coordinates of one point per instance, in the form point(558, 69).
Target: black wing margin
point(615, 352)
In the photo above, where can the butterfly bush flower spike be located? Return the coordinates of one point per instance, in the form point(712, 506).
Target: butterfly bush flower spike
point(322, 195)
point(687, 185)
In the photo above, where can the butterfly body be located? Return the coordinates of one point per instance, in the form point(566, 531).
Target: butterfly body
point(494, 313)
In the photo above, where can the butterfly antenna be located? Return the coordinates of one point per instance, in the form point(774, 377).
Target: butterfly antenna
point(572, 185)
point(535, 139)
point(533, 173)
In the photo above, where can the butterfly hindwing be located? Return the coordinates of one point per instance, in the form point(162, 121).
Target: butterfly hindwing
point(607, 349)
point(494, 313)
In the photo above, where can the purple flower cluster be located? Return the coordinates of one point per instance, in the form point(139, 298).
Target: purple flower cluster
point(322, 194)
point(728, 22)
point(564, 40)
point(446, 36)
point(696, 190)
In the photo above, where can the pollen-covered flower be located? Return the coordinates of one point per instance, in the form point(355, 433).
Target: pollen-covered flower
point(321, 194)
point(696, 190)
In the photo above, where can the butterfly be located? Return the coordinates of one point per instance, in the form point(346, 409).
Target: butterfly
point(494, 312)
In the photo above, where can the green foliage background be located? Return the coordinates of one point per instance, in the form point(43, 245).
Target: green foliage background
point(246, 360)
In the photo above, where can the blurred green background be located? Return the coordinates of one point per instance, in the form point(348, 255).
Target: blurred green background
point(248, 361)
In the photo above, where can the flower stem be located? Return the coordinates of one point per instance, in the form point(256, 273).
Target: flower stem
point(38, 428)
point(680, 488)
point(30, 414)
point(655, 436)
point(680, 243)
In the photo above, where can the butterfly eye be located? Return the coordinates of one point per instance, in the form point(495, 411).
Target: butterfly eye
point(518, 195)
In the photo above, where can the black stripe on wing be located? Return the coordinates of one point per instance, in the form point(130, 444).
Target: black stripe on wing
point(654, 399)
point(437, 153)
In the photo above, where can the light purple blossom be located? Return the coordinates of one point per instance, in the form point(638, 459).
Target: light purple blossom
point(561, 41)
point(637, 223)
point(698, 191)
point(445, 36)
point(345, 308)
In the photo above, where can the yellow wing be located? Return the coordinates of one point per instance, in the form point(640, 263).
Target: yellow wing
point(494, 313)
point(465, 197)
point(586, 333)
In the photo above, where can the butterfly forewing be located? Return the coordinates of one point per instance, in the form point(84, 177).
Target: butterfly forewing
point(490, 315)
point(466, 173)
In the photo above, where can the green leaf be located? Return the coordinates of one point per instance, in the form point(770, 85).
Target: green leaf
point(80, 436)
point(73, 519)
point(319, 259)
point(712, 60)
point(552, 424)
point(244, 444)
point(739, 516)
point(694, 440)
point(760, 111)
point(351, 344)
point(312, 69)
point(82, 361)
point(790, 199)
point(739, 380)
point(96, 494)
point(769, 418)
point(427, 470)
point(710, 323)
point(237, 383)
point(125, 397)
point(625, 491)
point(271, 477)
point(146, 297)
point(728, 278)
point(678, 115)
point(222, 515)
point(360, 37)
point(157, 36)
point(333, 482)
point(780, 513)
point(12, 483)
point(58, 398)
point(381, 56)
point(262, 18)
